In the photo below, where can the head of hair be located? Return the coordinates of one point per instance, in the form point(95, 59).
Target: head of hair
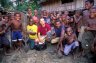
point(90, 1)
point(57, 21)
point(17, 13)
point(28, 8)
point(69, 28)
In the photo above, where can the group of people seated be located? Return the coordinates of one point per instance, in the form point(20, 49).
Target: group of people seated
point(51, 27)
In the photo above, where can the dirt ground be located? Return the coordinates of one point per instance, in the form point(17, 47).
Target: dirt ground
point(45, 56)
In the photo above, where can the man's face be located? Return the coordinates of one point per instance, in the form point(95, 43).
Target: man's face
point(93, 13)
point(17, 17)
point(88, 5)
point(29, 11)
point(42, 22)
point(35, 19)
point(58, 24)
point(35, 12)
point(6, 18)
point(69, 31)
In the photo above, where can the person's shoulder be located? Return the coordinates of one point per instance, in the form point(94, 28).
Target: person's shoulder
point(85, 11)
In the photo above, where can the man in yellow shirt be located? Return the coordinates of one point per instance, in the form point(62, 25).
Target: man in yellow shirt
point(32, 32)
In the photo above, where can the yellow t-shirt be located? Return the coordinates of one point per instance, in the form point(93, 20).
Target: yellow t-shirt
point(32, 28)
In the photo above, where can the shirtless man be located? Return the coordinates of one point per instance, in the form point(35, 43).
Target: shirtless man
point(16, 26)
point(71, 41)
point(85, 36)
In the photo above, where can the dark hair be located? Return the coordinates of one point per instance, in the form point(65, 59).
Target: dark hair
point(28, 8)
point(90, 1)
point(57, 21)
point(17, 13)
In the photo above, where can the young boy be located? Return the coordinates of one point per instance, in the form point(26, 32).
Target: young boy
point(71, 41)
point(32, 32)
point(16, 26)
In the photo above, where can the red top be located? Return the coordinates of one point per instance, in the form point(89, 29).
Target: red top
point(44, 30)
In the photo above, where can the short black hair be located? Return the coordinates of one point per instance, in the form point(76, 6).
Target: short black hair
point(57, 20)
point(90, 1)
point(17, 13)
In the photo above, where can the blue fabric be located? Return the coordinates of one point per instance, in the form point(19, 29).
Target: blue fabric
point(47, 20)
point(59, 30)
point(16, 35)
point(4, 40)
point(31, 43)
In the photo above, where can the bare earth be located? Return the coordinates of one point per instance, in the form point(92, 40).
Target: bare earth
point(46, 56)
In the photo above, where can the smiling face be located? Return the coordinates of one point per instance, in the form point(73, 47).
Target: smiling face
point(88, 5)
point(58, 24)
point(69, 31)
point(18, 16)
point(42, 22)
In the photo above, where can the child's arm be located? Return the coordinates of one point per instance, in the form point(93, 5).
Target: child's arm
point(1, 32)
point(32, 33)
point(8, 26)
point(39, 37)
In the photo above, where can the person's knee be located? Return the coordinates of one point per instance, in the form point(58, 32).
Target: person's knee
point(66, 53)
point(54, 40)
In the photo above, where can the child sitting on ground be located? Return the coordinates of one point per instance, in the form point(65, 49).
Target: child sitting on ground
point(71, 41)
point(32, 32)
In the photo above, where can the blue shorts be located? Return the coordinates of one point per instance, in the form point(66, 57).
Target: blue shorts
point(68, 48)
point(16, 35)
point(4, 40)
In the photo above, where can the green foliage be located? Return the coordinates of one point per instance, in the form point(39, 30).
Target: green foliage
point(24, 5)
point(6, 4)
